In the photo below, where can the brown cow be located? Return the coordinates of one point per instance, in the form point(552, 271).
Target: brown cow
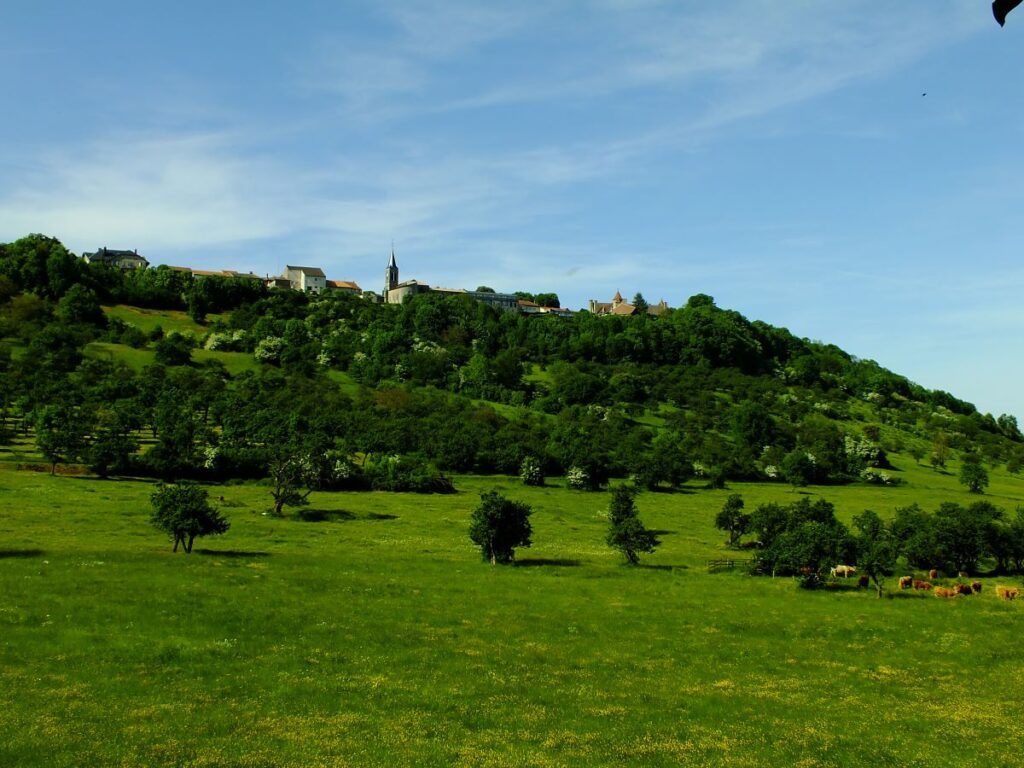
point(976, 586)
point(906, 581)
point(933, 574)
point(863, 582)
point(962, 589)
point(918, 584)
point(1007, 593)
point(943, 592)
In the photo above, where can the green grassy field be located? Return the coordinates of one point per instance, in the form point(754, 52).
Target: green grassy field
point(146, 320)
point(371, 633)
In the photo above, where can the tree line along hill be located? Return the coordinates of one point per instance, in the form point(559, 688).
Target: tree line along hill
point(332, 391)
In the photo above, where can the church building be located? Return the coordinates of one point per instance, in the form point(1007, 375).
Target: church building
point(395, 292)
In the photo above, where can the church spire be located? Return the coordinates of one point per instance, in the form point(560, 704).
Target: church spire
point(390, 275)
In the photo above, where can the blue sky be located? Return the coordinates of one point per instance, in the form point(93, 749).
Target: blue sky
point(779, 156)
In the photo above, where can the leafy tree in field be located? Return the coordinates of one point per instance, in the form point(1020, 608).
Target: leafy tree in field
point(61, 434)
point(625, 531)
point(961, 533)
point(973, 474)
point(531, 471)
point(798, 468)
point(732, 519)
point(1015, 537)
point(173, 349)
point(876, 548)
point(803, 537)
point(112, 446)
point(80, 305)
point(499, 525)
point(184, 513)
point(940, 450)
point(916, 452)
point(298, 465)
point(913, 530)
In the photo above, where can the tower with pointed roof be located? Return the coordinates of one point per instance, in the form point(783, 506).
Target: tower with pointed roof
point(390, 275)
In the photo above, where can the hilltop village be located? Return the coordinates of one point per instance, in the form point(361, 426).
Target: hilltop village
point(395, 290)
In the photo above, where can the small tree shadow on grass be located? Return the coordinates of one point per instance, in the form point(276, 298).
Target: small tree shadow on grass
point(232, 553)
point(650, 567)
point(338, 515)
point(909, 594)
point(558, 562)
point(8, 553)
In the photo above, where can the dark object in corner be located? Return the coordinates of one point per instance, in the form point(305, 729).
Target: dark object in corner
point(1002, 7)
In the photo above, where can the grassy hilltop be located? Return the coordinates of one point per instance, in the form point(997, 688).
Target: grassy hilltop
point(363, 628)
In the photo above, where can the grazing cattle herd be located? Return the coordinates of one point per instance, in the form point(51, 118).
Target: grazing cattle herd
point(953, 590)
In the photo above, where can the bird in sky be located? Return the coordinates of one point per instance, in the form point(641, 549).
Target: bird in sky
point(1002, 7)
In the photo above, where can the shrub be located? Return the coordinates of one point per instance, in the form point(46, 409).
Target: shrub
point(531, 472)
point(406, 474)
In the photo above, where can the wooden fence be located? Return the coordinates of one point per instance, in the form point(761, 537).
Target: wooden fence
point(728, 564)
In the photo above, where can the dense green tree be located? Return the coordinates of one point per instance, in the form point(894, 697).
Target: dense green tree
point(79, 305)
point(799, 468)
point(876, 548)
point(184, 513)
point(61, 433)
point(547, 300)
point(801, 538)
point(961, 534)
point(973, 474)
point(732, 519)
point(940, 450)
point(625, 531)
point(499, 525)
point(113, 445)
point(173, 349)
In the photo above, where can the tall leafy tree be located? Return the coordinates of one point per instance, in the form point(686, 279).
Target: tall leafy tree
point(184, 513)
point(876, 548)
point(732, 519)
point(625, 531)
point(61, 434)
point(973, 474)
point(499, 525)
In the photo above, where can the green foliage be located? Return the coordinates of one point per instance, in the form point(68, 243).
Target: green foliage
point(531, 472)
point(732, 519)
point(625, 531)
point(173, 349)
point(184, 513)
point(802, 537)
point(973, 474)
point(62, 433)
point(499, 525)
point(408, 474)
point(876, 548)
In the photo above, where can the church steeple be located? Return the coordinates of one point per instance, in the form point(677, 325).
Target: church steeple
point(390, 275)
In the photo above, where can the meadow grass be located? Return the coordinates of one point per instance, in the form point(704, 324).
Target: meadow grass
point(146, 320)
point(137, 359)
point(367, 631)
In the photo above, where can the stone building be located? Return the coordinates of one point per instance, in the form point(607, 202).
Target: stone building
point(395, 292)
point(121, 259)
